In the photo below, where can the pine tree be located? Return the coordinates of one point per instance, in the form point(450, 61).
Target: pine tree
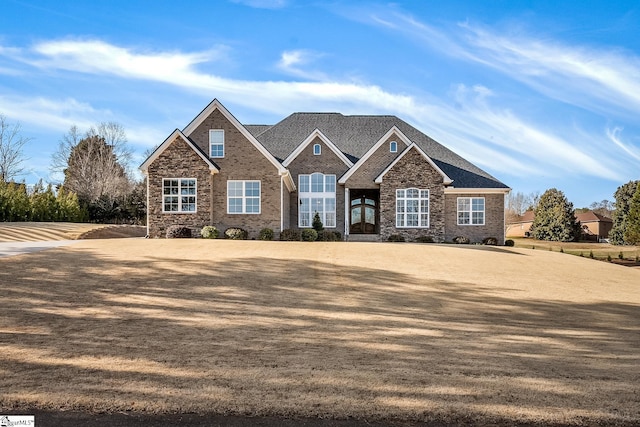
point(317, 223)
point(555, 218)
point(632, 231)
point(623, 196)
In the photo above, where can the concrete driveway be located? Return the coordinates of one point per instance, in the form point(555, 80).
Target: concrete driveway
point(18, 248)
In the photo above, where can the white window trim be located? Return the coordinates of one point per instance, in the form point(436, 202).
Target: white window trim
point(319, 149)
point(211, 131)
point(244, 197)
point(391, 150)
point(179, 211)
point(318, 195)
point(470, 211)
point(419, 199)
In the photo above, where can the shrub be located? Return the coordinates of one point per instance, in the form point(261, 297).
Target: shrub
point(317, 223)
point(290, 235)
point(461, 240)
point(327, 236)
point(209, 232)
point(492, 241)
point(178, 232)
point(509, 243)
point(424, 239)
point(266, 234)
point(309, 235)
point(591, 254)
point(236, 233)
point(561, 250)
point(609, 257)
point(395, 238)
point(620, 255)
point(338, 235)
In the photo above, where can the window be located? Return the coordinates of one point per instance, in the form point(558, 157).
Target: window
point(393, 147)
point(216, 143)
point(243, 197)
point(470, 210)
point(317, 193)
point(317, 150)
point(179, 194)
point(412, 208)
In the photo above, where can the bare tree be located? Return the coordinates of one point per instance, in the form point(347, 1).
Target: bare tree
point(11, 146)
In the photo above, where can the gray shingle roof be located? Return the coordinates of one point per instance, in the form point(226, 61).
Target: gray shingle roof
point(355, 135)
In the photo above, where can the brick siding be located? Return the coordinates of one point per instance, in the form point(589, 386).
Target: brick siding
point(493, 218)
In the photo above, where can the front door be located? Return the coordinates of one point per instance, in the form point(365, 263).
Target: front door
point(364, 212)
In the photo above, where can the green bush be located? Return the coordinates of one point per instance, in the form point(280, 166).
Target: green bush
point(309, 235)
point(317, 223)
point(461, 240)
point(236, 233)
point(424, 239)
point(609, 257)
point(491, 241)
point(338, 235)
point(395, 238)
point(327, 236)
point(178, 232)
point(266, 234)
point(509, 243)
point(591, 254)
point(620, 255)
point(209, 232)
point(290, 235)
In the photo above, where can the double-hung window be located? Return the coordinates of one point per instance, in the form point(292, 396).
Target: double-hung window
point(243, 197)
point(412, 208)
point(216, 143)
point(179, 194)
point(470, 210)
point(317, 193)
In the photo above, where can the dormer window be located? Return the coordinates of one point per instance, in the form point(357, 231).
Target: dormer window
point(317, 149)
point(393, 147)
point(216, 143)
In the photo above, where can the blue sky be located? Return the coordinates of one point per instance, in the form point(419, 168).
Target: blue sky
point(540, 94)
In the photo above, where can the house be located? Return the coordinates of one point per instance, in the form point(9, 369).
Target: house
point(594, 226)
point(364, 175)
point(521, 226)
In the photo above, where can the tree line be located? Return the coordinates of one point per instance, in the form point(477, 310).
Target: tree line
point(555, 217)
point(95, 181)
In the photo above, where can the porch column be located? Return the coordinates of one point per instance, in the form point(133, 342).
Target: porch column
point(347, 205)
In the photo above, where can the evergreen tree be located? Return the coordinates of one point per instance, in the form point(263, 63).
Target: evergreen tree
point(632, 231)
point(44, 206)
point(623, 196)
point(69, 207)
point(317, 223)
point(555, 218)
point(19, 206)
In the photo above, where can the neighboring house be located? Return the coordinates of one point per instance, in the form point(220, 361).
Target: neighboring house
point(520, 227)
point(594, 226)
point(364, 175)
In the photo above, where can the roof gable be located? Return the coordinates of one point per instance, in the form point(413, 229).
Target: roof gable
point(316, 134)
point(394, 130)
point(170, 140)
point(445, 178)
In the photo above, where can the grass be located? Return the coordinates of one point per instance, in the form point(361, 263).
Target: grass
point(625, 255)
point(460, 334)
point(41, 231)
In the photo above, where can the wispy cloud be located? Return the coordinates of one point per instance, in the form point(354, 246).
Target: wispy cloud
point(292, 62)
point(263, 4)
point(489, 135)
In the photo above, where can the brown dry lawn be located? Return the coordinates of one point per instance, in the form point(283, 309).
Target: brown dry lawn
point(42, 231)
point(366, 330)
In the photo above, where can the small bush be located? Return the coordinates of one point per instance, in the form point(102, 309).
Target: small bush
point(338, 235)
point(317, 223)
point(266, 234)
point(327, 236)
point(395, 238)
point(236, 233)
point(561, 250)
point(424, 239)
point(620, 255)
point(509, 243)
point(591, 254)
point(290, 235)
point(492, 241)
point(461, 240)
point(209, 232)
point(178, 232)
point(309, 235)
point(609, 257)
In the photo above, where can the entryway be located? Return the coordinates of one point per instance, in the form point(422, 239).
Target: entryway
point(364, 211)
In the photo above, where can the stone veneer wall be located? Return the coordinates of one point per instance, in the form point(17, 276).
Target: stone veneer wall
point(493, 218)
point(178, 161)
point(327, 163)
point(412, 171)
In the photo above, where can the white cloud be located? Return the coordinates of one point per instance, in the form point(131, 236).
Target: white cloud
point(292, 61)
